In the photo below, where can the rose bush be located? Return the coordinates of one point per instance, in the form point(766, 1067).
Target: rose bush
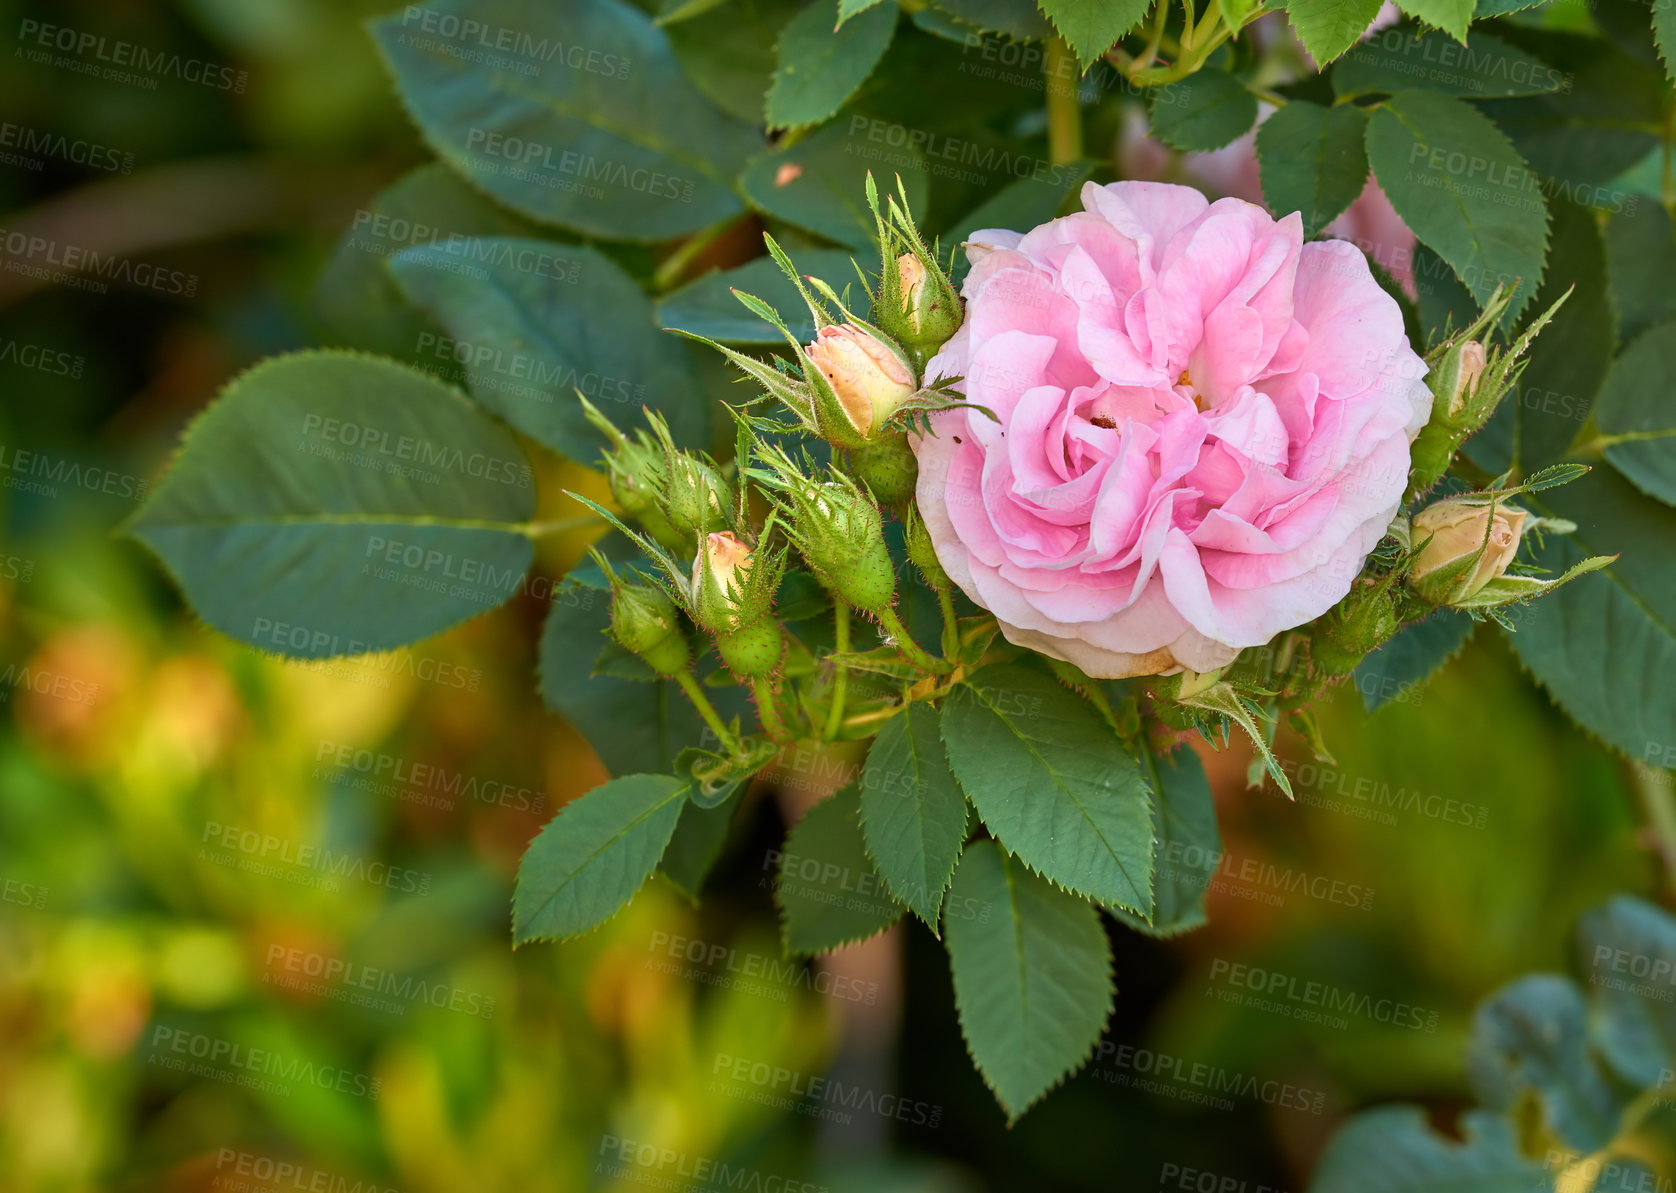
point(1201, 429)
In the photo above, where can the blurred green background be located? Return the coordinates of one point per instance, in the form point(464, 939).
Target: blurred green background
point(188, 1001)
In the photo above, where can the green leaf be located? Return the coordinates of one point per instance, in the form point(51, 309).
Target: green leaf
point(1451, 16)
point(1606, 121)
point(1091, 27)
point(1542, 414)
point(1531, 1038)
point(1087, 821)
point(829, 893)
point(1330, 27)
point(820, 183)
point(329, 503)
point(357, 297)
point(1394, 1150)
point(707, 307)
point(700, 835)
point(913, 815)
point(1664, 33)
point(534, 322)
point(631, 725)
point(849, 8)
point(591, 858)
point(1635, 416)
point(821, 66)
point(1395, 59)
point(1312, 161)
point(618, 145)
point(1485, 9)
point(1204, 111)
point(1640, 261)
point(1189, 845)
point(1017, 20)
point(1605, 646)
point(728, 52)
point(1032, 975)
point(1442, 300)
point(1463, 190)
point(1409, 659)
point(1627, 949)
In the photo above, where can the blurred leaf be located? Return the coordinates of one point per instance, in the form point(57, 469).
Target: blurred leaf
point(820, 66)
point(1408, 660)
point(331, 504)
point(1628, 950)
point(1394, 1150)
point(707, 307)
point(1605, 646)
point(1484, 218)
point(1202, 112)
point(829, 893)
point(620, 146)
point(1020, 20)
point(1091, 27)
point(913, 815)
point(1640, 261)
point(1330, 27)
point(820, 183)
point(1442, 300)
point(593, 856)
point(1312, 160)
point(1530, 1037)
point(1636, 417)
point(630, 725)
point(1397, 59)
point(1087, 824)
point(1605, 122)
point(1032, 975)
point(535, 322)
point(1189, 845)
point(728, 52)
point(356, 295)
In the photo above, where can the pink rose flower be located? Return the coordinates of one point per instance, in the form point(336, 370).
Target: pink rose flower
point(1204, 428)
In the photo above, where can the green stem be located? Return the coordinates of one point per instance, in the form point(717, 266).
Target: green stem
point(1160, 17)
point(1064, 106)
point(689, 685)
point(669, 271)
point(951, 622)
point(1653, 786)
point(892, 625)
point(537, 530)
point(841, 672)
point(763, 690)
point(1191, 60)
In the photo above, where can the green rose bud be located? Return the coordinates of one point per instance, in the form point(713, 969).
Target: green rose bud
point(889, 468)
point(1362, 622)
point(721, 574)
point(643, 622)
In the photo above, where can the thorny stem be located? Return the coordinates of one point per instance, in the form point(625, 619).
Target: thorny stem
point(891, 623)
point(841, 673)
point(763, 690)
point(689, 685)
